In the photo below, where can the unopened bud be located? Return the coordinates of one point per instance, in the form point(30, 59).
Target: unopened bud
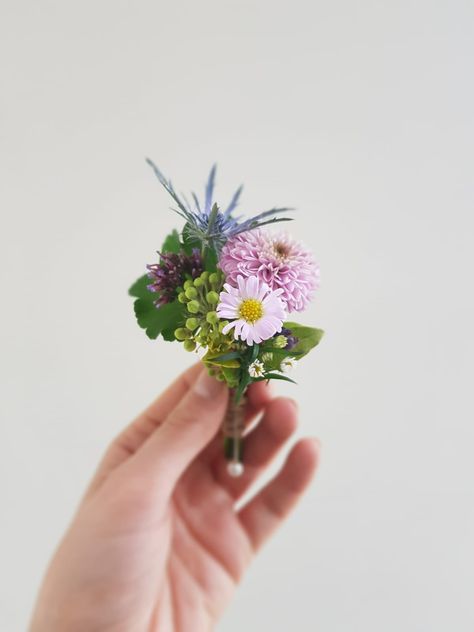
point(212, 297)
point(280, 342)
point(212, 318)
point(193, 307)
point(191, 292)
point(181, 333)
point(192, 324)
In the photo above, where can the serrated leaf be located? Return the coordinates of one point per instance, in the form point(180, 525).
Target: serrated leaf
point(172, 243)
point(139, 288)
point(168, 334)
point(156, 320)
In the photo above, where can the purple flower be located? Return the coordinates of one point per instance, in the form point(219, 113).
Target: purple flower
point(256, 311)
point(276, 260)
point(291, 341)
point(171, 272)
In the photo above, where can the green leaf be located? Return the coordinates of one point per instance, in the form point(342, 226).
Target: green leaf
point(210, 260)
point(188, 241)
point(231, 376)
point(212, 218)
point(277, 357)
point(172, 243)
point(168, 334)
point(254, 355)
point(274, 376)
point(226, 359)
point(139, 288)
point(230, 364)
point(308, 338)
point(157, 320)
point(245, 380)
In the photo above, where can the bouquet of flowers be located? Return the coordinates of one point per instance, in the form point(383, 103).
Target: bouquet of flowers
point(223, 287)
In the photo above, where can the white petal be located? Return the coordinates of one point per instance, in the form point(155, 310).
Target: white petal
point(252, 287)
point(242, 289)
point(228, 327)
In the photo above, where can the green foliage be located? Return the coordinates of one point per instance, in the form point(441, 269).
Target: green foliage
point(308, 338)
point(249, 355)
point(244, 381)
point(210, 260)
point(158, 320)
point(189, 242)
point(172, 243)
point(210, 257)
point(139, 288)
point(227, 360)
point(278, 355)
point(231, 375)
point(274, 376)
point(155, 321)
point(220, 359)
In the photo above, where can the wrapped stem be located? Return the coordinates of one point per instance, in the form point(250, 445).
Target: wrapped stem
point(233, 430)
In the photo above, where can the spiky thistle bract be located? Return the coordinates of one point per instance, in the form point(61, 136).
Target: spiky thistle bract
point(206, 222)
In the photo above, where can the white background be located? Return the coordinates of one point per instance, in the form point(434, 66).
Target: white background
point(357, 113)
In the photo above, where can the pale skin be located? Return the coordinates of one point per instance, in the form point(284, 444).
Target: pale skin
point(157, 543)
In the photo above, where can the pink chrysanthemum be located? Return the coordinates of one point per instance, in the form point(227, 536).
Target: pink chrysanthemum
point(256, 311)
point(277, 260)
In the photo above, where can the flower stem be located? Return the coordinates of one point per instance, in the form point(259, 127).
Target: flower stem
point(233, 427)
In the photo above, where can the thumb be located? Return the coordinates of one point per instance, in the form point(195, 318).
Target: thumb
point(184, 433)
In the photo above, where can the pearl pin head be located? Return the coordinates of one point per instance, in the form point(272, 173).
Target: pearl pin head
point(235, 469)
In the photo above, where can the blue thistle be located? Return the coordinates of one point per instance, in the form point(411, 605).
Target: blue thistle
point(206, 223)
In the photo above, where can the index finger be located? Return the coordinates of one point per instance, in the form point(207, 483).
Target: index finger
point(139, 430)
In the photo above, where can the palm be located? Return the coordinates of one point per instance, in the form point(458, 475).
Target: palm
point(208, 552)
point(158, 544)
point(188, 556)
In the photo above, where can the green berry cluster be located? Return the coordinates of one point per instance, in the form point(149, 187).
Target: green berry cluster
point(203, 326)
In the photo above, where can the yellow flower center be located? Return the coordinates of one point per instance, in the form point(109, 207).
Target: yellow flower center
point(251, 310)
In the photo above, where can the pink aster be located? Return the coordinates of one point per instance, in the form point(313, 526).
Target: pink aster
point(256, 311)
point(277, 260)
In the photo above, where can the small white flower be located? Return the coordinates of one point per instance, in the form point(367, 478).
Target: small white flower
point(288, 365)
point(256, 369)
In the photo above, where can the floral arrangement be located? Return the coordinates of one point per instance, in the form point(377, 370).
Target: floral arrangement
point(224, 287)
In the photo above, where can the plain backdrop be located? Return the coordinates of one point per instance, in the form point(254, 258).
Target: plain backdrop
point(360, 114)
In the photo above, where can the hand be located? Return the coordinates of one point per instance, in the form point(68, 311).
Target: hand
point(157, 543)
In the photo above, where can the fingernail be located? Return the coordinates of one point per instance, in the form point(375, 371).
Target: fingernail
point(294, 403)
point(317, 443)
point(207, 386)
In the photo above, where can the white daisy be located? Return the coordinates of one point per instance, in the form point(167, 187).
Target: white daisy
point(257, 312)
point(256, 369)
point(288, 365)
